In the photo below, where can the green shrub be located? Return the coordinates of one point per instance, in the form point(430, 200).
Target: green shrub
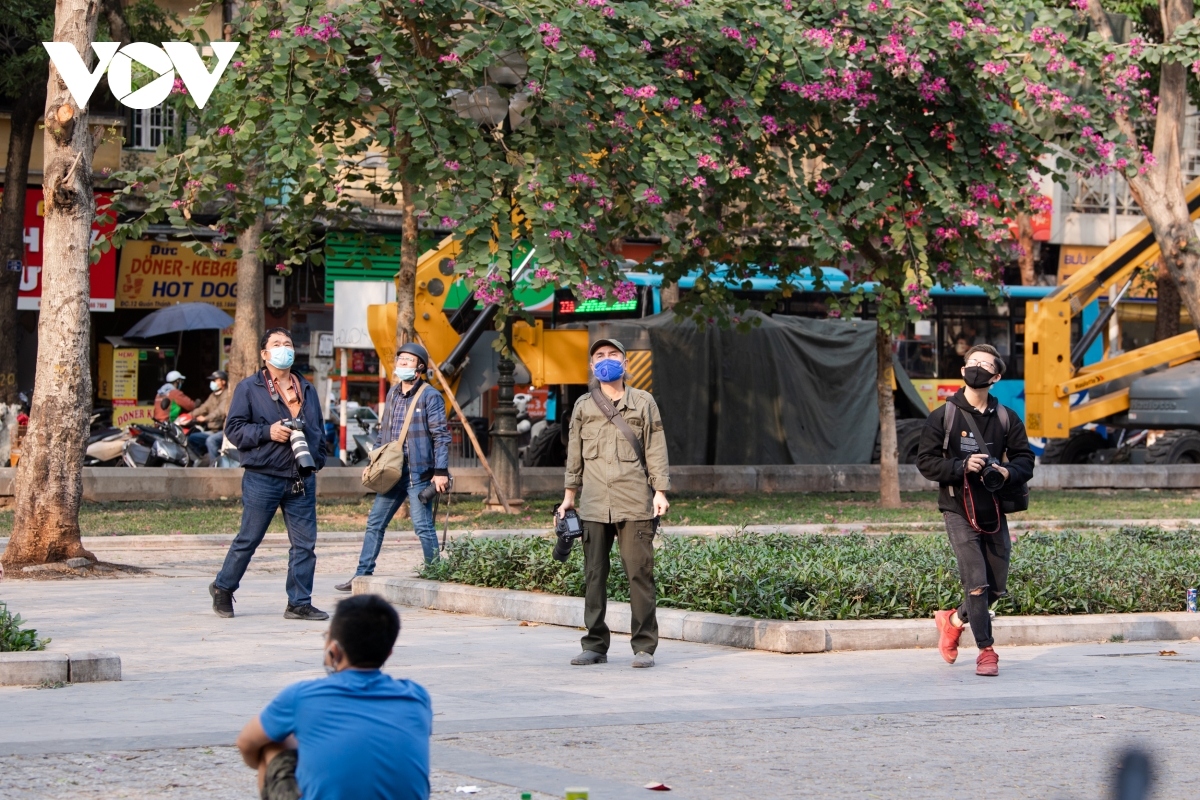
point(858, 577)
point(12, 638)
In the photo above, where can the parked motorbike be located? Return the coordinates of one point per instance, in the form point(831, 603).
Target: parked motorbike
point(159, 445)
point(105, 444)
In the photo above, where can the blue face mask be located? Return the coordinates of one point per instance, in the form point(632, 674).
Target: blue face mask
point(282, 357)
point(405, 374)
point(608, 370)
point(214, 385)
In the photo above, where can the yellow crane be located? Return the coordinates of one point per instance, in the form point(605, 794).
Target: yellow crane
point(1054, 371)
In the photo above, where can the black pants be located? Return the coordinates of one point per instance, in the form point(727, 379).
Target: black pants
point(982, 564)
point(636, 541)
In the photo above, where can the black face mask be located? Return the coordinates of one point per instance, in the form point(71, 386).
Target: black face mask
point(978, 377)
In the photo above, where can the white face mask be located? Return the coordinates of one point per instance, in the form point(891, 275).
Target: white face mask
point(214, 385)
point(405, 374)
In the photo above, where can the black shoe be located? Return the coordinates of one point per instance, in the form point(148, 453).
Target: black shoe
point(222, 601)
point(306, 611)
point(347, 586)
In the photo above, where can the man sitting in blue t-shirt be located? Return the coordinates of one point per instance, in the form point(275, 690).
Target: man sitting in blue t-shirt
point(355, 735)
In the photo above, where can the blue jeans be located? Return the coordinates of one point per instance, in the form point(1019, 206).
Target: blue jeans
point(210, 442)
point(262, 495)
point(385, 507)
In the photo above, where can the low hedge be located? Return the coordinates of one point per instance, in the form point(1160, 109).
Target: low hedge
point(818, 577)
point(13, 638)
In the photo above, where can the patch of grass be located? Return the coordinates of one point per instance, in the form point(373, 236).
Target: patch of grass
point(831, 508)
point(14, 639)
point(858, 577)
point(1116, 638)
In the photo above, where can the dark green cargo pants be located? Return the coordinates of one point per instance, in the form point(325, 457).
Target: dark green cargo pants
point(635, 538)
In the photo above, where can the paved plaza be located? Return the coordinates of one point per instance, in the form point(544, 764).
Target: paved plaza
point(512, 715)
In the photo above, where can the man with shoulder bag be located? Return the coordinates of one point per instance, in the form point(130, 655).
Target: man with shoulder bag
point(410, 460)
point(617, 455)
point(977, 451)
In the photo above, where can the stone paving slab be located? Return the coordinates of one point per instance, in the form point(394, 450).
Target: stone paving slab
point(506, 701)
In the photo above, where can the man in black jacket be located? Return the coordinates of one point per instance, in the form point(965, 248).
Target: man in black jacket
point(260, 412)
point(975, 523)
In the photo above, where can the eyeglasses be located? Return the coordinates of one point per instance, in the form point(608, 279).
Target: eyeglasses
point(991, 365)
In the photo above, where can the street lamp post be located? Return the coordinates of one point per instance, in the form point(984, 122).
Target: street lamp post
point(504, 438)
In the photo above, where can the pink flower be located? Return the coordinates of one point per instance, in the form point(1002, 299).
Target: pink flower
point(671, 103)
point(550, 35)
point(739, 172)
point(281, 268)
point(231, 187)
point(957, 31)
point(707, 162)
point(178, 87)
point(303, 31)
point(581, 179)
point(821, 188)
point(563, 235)
point(646, 46)
point(969, 219)
point(590, 291)
point(643, 93)
point(588, 53)
point(543, 274)
point(769, 126)
point(449, 222)
point(450, 58)
point(589, 226)
point(624, 291)
point(732, 33)
point(226, 131)
point(176, 203)
point(275, 34)
point(239, 64)
point(453, 166)
point(995, 67)
point(547, 206)
point(651, 197)
point(820, 37)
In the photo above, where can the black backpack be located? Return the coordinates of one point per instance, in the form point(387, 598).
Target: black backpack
point(1013, 498)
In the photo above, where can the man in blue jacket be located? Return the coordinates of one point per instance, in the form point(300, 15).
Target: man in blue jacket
point(426, 458)
point(260, 412)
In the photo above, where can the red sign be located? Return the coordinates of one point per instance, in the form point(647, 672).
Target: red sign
point(103, 272)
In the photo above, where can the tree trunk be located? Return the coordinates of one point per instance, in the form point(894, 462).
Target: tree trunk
point(1025, 239)
point(1159, 192)
point(26, 113)
point(1166, 311)
point(889, 461)
point(49, 484)
point(248, 315)
point(406, 278)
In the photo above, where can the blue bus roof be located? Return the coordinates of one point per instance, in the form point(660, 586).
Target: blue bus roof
point(834, 279)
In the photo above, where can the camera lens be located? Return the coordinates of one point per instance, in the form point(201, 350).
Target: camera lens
point(992, 478)
point(562, 548)
point(304, 460)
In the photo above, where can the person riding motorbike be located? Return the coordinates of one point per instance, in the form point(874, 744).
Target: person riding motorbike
point(170, 401)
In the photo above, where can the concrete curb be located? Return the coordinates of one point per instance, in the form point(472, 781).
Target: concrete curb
point(37, 667)
point(773, 635)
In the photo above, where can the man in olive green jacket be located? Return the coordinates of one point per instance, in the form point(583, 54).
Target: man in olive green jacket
point(623, 497)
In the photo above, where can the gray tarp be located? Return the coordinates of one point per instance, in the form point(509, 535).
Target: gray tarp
point(791, 391)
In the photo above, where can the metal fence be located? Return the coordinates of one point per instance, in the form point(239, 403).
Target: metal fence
point(462, 452)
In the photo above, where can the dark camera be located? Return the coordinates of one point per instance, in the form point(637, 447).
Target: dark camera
point(427, 494)
point(567, 528)
point(992, 477)
point(305, 464)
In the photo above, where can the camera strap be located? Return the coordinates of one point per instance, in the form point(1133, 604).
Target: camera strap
point(612, 415)
point(968, 495)
point(275, 395)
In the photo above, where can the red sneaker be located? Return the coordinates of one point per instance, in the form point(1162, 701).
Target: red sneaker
point(950, 634)
point(988, 663)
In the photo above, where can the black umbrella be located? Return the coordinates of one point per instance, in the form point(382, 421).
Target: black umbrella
point(180, 318)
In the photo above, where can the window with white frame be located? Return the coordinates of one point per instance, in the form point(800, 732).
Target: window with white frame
point(150, 127)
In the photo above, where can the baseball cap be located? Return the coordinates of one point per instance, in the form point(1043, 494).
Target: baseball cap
point(600, 342)
point(220, 375)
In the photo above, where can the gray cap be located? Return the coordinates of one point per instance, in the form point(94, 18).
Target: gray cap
point(611, 342)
